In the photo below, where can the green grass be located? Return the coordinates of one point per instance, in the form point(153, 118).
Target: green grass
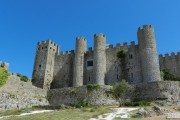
point(134, 104)
point(67, 114)
point(17, 111)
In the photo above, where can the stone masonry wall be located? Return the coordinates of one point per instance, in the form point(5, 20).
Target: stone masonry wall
point(71, 96)
point(16, 94)
point(161, 90)
point(170, 63)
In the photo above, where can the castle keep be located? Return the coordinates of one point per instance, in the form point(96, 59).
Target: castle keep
point(101, 65)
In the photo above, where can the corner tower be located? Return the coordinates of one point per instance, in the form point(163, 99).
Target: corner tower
point(79, 61)
point(44, 64)
point(99, 69)
point(148, 54)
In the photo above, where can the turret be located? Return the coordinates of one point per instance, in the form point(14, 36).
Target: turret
point(148, 54)
point(99, 58)
point(44, 64)
point(79, 61)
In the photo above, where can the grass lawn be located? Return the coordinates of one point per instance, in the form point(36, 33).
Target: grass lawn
point(66, 114)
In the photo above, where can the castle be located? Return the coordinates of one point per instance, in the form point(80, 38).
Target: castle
point(101, 65)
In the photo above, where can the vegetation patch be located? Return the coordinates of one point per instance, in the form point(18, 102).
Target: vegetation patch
point(23, 77)
point(67, 114)
point(4, 74)
point(81, 104)
point(119, 88)
point(92, 87)
point(135, 104)
point(121, 54)
point(73, 91)
point(168, 76)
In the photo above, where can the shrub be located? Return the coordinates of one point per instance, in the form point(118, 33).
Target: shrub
point(134, 104)
point(81, 104)
point(169, 76)
point(119, 88)
point(73, 91)
point(4, 74)
point(92, 87)
point(23, 77)
point(121, 54)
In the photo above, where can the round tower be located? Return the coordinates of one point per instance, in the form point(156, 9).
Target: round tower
point(79, 61)
point(148, 54)
point(99, 58)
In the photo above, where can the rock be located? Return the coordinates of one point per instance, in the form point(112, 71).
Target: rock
point(159, 110)
point(142, 112)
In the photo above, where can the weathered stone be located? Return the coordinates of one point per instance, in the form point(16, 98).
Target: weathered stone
point(16, 94)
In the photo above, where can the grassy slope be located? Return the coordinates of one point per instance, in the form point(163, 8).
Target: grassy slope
point(67, 114)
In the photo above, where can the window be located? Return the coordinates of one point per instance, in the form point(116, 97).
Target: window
point(90, 63)
point(39, 66)
point(131, 75)
point(130, 56)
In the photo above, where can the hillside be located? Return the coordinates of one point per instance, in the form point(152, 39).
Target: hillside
point(19, 94)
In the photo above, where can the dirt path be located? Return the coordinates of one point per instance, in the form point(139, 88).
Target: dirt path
point(30, 113)
point(117, 112)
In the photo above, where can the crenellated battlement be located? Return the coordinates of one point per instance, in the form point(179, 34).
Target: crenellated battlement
point(81, 38)
point(62, 53)
point(90, 49)
point(125, 45)
point(144, 27)
point(169, 56)
point(99, 35)
point(47, 42)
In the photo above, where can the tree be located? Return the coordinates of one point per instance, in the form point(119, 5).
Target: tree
point(119, 89)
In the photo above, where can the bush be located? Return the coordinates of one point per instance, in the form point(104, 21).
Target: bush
point(4, 74)
point(119, 88)
point(92, 87)
point(23, 77)
point(169, 76)
point(121, 54)
point(81, 104)
point(73, 91)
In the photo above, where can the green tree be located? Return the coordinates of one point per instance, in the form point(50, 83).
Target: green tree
point(119, 89)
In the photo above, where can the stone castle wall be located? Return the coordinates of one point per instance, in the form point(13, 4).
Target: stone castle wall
point(63, 72)
point(170, 63)
point(169, 91)
point(101, 65)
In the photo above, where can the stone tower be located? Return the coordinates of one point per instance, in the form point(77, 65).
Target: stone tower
point(99, 69)
point(44, 64)
point(148, 54)
point(79, 61)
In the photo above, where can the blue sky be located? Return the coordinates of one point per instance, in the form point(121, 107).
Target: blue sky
point(25, 22)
